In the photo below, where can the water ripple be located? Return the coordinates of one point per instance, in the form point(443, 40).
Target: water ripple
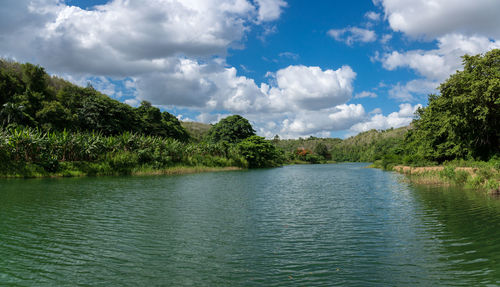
point(325, 225)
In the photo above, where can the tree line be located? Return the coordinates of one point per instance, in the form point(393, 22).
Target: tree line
point(48, 125)
point(43, 117)
point(461, 123)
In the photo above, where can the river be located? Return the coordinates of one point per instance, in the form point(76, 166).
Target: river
point(305, 225)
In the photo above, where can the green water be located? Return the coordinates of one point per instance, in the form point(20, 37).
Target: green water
point(311, 225)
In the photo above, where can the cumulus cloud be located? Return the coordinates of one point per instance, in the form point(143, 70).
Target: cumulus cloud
point(337, 118)
point(311, 88)
point(401, 118)
point(439, 63)
point(407, 92)
point(213, 86)
point(433, 66)
point(299, 100)
point(270, 10)
point(125, 37)
point(351, 35)
point(172, 53)
point(430, 19)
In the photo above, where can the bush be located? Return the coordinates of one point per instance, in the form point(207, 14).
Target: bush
point(448, 173)
point(259, 152)
point(461, 177)
point(123, 162)
point(49, 163)
point(312, 158)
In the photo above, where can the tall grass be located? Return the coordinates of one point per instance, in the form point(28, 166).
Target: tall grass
point(33, 152)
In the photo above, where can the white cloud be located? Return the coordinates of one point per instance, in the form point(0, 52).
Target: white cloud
point(123, 38)
point(351, 35)
point(132, 102)
point(430, 18)
point(298, 93)
point(270, 10)
point(307, 123)
point(374, 16)
point(172, 52)
point(407, 92)
point(385, 38)
point(365, 94)
point(401, 118)
point(311, 88)
point(210, 85)
point(211, 118)
point(433, 66)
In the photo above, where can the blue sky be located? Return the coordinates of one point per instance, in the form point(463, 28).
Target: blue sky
point(293, 68)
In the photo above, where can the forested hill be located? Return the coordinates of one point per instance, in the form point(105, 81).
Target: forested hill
point(367, 146)
point(30, 97)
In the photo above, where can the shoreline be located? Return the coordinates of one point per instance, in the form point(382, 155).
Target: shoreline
point(175, 170)
point(483, 179)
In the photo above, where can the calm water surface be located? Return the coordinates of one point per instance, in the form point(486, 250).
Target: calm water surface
point(311, 225)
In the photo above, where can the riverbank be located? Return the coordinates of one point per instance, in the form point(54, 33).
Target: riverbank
point(481, 178)
point(83, 169)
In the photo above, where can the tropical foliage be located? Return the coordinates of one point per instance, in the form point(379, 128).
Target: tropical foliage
point(31, 152)
point(29, 97)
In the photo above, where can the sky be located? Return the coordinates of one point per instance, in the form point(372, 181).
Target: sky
point(294, 68)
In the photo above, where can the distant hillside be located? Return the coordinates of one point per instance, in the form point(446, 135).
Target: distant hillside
point(197, 131)
point(371, 145)
point(366, 147)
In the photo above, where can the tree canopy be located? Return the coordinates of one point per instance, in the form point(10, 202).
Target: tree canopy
point(464, 120)
point(260, 152)
point(232, 129)
point(29, 97)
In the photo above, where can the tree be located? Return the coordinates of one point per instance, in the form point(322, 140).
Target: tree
point(322, 150)
point(260, 152)
point(232, 129)
point(34, 77)
point(173, 127)
point(464, 120)
point(53, 115)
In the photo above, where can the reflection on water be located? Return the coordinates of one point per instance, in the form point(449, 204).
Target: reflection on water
point(312, 225)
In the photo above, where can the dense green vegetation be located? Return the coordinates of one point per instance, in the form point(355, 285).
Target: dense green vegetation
point(49, 126)
point(368, 146)
point(34, 152)
point(232, 129)
point(463, 122)
point(260, 152)
point(197, 131)
point(29, 97)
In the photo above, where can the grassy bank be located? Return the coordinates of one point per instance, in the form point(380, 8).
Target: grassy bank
point(481, 176)
point(75, 169)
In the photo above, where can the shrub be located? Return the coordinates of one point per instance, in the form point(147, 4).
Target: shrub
point(259, 152)
point(123, 162)
point(461, 177)
point(448, 173)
